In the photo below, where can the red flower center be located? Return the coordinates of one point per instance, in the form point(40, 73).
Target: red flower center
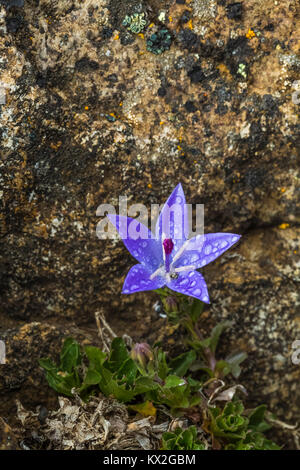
point(168, 246)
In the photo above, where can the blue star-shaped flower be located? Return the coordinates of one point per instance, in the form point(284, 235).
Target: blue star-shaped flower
point(169, 258)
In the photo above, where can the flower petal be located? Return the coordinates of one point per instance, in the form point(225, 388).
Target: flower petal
point(145, 248)
point(203, 249)
point(138, 279)
point(190, 283)
point(173, 219)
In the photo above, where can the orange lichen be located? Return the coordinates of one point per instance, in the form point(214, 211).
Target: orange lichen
point(190, 24)
point(250, 34)
point(55, 146)
point(283, 226)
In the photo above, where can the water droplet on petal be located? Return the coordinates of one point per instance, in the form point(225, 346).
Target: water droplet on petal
point(207, 249)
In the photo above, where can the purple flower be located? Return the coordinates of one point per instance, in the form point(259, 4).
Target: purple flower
point(169, 258)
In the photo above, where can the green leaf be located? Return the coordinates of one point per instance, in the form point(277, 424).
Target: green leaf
point(174, 381)
point(61, 381)
point(229, 424)
point(180, 365)
point(257, 421)
point(161, 364)
point(196, 309)
point(93, 375)
point(223, 366)
point(92, 378)
point(182, 440)
point(216, 333)
point(70, 356)
point(234, 360)
point(95, 356)
point(145, 384)
point(118, 355)
point(199, 365)
point(128, 371)
point(145, 409)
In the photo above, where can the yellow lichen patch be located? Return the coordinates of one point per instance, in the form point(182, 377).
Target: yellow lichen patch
point(141, 35)
point(190, 24)
point(55, 146)
point(161, 123)
point(116, 37)
point(250, 34)
point(151, 25)
point(170, 19)
point(149, 185)
point(145, 409)
point(224, 70)
point(283, 226)
point(283, 190)
point(86, 108)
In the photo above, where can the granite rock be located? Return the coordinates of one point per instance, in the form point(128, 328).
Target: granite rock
point(90, 114)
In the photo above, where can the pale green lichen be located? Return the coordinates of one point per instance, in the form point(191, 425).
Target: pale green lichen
point(242, 70)
point(135, 23)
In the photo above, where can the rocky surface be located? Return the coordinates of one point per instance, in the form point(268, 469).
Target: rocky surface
point(8, 441)
point(90, 115)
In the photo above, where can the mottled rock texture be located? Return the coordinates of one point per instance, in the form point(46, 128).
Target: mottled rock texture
point(90, 115)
